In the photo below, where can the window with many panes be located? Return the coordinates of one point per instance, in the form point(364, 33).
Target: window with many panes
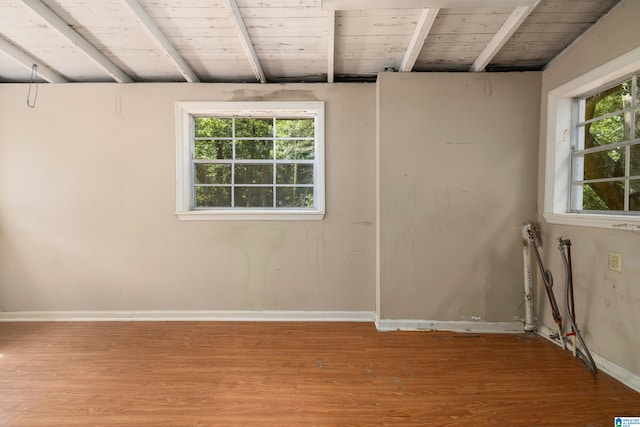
point(605, 155)
point(591, 160)
point(253, 160)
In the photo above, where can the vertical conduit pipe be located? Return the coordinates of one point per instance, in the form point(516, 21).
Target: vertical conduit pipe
point(529, 322)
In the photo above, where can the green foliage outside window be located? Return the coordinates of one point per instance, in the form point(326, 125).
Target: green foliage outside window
point(612, 117)
point(241, 162)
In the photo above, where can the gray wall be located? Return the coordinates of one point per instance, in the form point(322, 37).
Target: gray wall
point(457, 158)
point(88, 201)
point(607, 302)
point(87, 207)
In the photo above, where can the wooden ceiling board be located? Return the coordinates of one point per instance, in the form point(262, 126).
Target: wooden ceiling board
point(305, 4)
point(12, 71)
point(468, 23)
point(205, 36)
point(368, 42)
point(575, 6)
point(291, 38)
point(114, 30)
point(30, 33)
point(459, 38)
point(548, 31)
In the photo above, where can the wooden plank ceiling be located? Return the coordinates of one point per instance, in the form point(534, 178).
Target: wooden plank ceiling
point(281, 40)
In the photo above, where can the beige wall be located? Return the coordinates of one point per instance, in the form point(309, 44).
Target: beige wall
point(457, 158)
point(87, 200)
point(87, 203)
point(607, 303)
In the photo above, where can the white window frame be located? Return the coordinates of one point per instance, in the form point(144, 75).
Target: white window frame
point(184, 119)
point(560, 109)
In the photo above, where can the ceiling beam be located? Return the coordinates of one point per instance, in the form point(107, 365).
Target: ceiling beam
point(55, 22)
point(425, 22)
point(163, 42)
point(331, 48)
point(28, 62)
point(420, 4)
point(502, 36)
point(245, 39)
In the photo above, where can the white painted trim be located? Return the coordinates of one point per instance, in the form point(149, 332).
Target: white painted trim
point(161, 39)
point(510, 26)
point(55, 22)
point(183, 157)
point(612, 222)
point(425, 22)
point(331, 45)
point(618, 373)
point(444, 325)
point(28, 61)
point(183, 120)
point(627, 378)
point(251, 215)
point(558, 145)
point(245, 39)
point(610, 71)
point(188, 315)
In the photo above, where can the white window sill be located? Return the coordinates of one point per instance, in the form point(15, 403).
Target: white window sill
point(615, 222)
point(250, 215)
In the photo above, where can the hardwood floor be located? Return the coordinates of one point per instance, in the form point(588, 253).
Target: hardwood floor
point(293, 374)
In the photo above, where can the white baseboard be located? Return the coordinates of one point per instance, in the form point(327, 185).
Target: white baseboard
point(627, 378)
point(188, 315)
point(454, 326)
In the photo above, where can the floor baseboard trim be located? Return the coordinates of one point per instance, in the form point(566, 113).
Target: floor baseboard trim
point(188, 315)
point(627, 378)
point(453, 326)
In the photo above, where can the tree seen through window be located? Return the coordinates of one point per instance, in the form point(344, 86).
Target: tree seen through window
point(254, 162)
point(608, 149)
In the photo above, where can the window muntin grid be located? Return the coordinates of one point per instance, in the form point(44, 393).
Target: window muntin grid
point(605, 156)
point(246, 162)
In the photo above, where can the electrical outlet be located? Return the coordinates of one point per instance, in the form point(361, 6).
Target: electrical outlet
point(615, 261)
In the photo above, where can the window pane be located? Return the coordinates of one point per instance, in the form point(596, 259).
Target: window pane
point(295, 128)
point(294, 197)
point(210, 149)
point(608, 101)
point(211, 197)
point(607, 131)
point(254, 128)
point(234, 156)
point(634, 195)
point(295, 149)
point(634, 162)
point(253, 174)
point(253, 197)
point(604, 164)
point(603, 196)
point(254, 149)
point(294, 174)
point(213, 174)
point(590, 201)
point(212, 127)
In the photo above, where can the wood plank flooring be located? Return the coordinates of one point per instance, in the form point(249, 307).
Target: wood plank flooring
point(293, 374)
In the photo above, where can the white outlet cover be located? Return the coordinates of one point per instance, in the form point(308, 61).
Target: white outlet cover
point(615, 261)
